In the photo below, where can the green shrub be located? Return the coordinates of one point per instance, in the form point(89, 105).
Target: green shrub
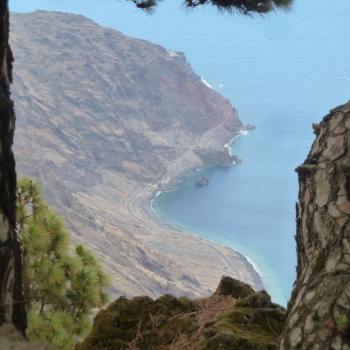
point(62, 284)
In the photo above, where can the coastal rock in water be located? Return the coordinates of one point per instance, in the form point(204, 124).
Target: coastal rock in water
point(203, 181)
point(236, 160)
point(319, 310)
point(218, 322)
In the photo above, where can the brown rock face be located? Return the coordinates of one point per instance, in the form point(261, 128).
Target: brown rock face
point(319, 311)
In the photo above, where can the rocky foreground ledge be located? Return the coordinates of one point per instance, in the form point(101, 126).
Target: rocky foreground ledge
point(234, 317)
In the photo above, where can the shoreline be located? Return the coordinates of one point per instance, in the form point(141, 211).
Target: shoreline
point(210, 241)
point(176, 182)
point(166, 259)
point(241, 132)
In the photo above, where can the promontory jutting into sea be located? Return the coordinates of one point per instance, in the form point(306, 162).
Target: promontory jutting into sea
point(281, 72)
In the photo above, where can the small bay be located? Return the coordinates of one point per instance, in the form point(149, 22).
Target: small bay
point(251, 206)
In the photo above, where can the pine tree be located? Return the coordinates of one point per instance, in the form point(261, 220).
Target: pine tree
point(62, 284)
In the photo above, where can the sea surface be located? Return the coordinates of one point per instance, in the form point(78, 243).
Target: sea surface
point(282, 72)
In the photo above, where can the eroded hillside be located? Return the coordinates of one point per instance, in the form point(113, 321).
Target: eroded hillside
point(104, 121)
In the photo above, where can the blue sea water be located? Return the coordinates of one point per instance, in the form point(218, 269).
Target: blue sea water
point(282, 72)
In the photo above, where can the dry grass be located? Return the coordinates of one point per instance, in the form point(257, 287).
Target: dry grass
point(209, 309)
point(133, 344)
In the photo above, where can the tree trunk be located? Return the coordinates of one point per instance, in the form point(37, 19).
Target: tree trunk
point(319, 310)
point(12, 306)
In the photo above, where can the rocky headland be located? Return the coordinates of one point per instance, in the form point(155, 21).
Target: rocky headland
point(105, 121)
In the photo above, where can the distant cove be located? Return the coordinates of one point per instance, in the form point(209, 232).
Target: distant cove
point(249, 207)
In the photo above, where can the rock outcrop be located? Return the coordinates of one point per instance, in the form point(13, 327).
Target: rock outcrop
point(222, 321)
point(319, 310)
point(103, 122)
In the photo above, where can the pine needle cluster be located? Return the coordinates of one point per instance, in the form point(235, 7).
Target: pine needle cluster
point(243, 6)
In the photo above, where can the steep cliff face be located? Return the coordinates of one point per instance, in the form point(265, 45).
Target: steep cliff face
point(104, 121)
point(115, 102)
point(319, 311)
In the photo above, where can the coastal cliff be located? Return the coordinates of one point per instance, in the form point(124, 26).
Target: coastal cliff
point(108, 121)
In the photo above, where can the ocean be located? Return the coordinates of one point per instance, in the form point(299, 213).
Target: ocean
point(283, 72)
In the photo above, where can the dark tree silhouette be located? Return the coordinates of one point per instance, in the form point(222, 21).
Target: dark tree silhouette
point(243, 6)
point(12, 306)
